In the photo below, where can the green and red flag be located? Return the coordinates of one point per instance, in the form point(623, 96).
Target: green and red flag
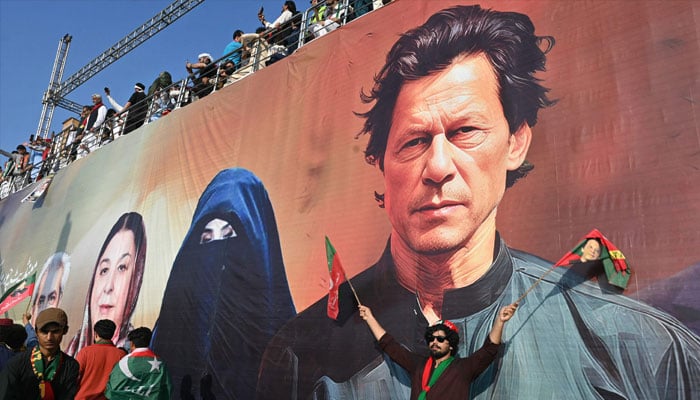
point(614, 263)
point(139, 375)
point(335, 268)
point(18, 292)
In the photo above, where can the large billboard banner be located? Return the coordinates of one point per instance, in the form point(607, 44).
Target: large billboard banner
point(451, 153)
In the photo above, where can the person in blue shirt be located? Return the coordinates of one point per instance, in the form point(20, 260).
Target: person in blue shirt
point(233, 50)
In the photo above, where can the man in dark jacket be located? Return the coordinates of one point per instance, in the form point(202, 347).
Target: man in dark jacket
point(442, 375)
point(44, 371)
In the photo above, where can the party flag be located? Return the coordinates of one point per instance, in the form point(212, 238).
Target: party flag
point(17, 293)
point(614, 263)
point(337, 277)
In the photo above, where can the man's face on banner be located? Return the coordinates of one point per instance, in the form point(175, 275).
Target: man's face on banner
point(48, 291)
point(591, 250)
point(110, 289)
point(447, 154)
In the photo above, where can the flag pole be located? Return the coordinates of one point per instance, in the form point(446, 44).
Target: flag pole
point(537, 282)
point(352, 288)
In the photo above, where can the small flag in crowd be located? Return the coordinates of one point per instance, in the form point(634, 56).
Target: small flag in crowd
point(616, 269)
point(139, 375)
point(17, 293)
point(337, 277)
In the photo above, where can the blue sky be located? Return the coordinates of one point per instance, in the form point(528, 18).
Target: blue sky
point(30, 31)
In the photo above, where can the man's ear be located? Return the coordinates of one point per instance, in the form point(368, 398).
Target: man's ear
point(65, 329)
point(518, 145)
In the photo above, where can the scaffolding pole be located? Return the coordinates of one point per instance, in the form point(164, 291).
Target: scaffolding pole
point(55, 95)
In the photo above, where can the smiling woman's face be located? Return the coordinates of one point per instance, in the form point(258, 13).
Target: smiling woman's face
point(111, 286)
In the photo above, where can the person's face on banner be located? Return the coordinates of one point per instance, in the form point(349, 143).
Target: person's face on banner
point(48, 291)
point(447, 154)
point(114, 271)
point(591, 250)
point(217, 229)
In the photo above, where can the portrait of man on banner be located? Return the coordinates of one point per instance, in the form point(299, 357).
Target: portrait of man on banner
point(453, 114)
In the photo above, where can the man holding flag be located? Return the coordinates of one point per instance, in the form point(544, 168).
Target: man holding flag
point(442, 375)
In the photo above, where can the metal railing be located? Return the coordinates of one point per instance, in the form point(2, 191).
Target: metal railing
point(258, 51)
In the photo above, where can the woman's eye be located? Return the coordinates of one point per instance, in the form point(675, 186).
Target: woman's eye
point(228, 232)
point(206, 237)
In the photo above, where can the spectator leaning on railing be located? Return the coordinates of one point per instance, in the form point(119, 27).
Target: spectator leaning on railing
point(98, 114)
point(136, 106)
point(206, 73)
point(269, 44)
point(232, 51)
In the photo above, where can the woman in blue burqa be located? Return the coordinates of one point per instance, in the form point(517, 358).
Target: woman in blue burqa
point(227, 293)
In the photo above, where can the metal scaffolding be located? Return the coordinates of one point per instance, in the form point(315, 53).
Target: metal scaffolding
point(57, 91)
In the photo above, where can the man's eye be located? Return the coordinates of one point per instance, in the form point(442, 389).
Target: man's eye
point(463, 129)
point(467, 136)
point(415, 142)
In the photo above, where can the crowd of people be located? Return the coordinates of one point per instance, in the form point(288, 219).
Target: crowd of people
point(99, 125)
point(32, 364)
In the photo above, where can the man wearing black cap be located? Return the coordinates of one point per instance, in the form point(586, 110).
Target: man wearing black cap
point(442, 375)
point(42, 372)
point(137, 107)
point(97, 360)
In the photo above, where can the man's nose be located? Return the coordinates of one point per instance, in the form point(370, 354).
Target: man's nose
point(439, 163)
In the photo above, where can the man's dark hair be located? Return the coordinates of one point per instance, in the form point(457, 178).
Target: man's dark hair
point(14, 336)
point(105, 329)
point(238, 33)
point(508, 41)
point(141, 337)
point(291, 6)
point(452, 336)
point(21, 148)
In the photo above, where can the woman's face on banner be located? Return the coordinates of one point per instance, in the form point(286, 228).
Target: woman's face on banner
point(217, 229)
point(111, 286)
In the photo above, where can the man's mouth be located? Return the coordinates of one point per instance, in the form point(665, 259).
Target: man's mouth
point(438, 209)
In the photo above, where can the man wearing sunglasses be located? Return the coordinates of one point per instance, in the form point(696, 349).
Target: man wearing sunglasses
point(442, 374)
